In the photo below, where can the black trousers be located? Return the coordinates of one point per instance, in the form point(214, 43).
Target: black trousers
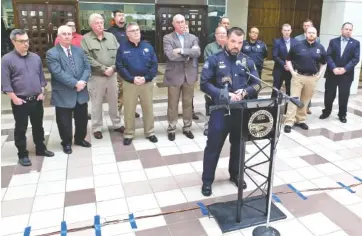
point(344, 86)
point(34, 110)
point(260, 70)
point(278, 82)
point(65, 126)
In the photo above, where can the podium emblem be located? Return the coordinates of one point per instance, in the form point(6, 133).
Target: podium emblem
point(260, 123)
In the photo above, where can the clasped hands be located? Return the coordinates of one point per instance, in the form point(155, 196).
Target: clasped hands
point(339, 71)
point(80, 85)
point(139, 80)
point(238, 95)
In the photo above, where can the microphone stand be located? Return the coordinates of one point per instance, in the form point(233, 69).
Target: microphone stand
point(267, 230)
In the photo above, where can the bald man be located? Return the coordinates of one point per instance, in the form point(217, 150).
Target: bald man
point(180, 48)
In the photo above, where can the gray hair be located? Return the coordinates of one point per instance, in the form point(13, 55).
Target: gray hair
point(93, 17)
point(62, 28)
point(177, 16)
point(131, 24)
point(16, 32)
point(286, 25)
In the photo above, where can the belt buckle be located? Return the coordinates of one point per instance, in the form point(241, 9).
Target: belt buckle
point(31, 98)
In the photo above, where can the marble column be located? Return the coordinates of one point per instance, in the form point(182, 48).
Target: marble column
point(237, 12)
point(334, 14)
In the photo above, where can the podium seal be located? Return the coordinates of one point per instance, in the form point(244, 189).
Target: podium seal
point(260, 123)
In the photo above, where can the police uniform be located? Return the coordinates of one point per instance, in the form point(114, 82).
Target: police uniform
point(131, 61)
point(306, 59)
point(257, 52)
point(218, 67)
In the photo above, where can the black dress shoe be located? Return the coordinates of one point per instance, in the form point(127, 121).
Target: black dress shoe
point(343, 119)
point(120, 129)
point(127, 141)
point(136, 115)
point(67, 149)
point(89, 117)
point(206, 131)
point(323, 116)
point(194, 116)
point(171, 136)
point(206, 190)
point(153, 139)
point(24, 161)
point(302, 125)
point(236, 182)
point(83, 143)
point(45, 153)
point(188, 134)
point(287, 129)
point(98, 135)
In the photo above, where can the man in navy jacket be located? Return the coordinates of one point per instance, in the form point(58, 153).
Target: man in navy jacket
point(281, 48)
point(343, 55)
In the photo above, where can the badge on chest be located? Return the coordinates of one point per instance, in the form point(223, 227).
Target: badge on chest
point(222, 65)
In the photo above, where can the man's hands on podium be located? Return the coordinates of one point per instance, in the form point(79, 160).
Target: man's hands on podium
point(238, 95)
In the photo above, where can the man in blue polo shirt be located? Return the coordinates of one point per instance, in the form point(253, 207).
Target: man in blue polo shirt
point(136, 62)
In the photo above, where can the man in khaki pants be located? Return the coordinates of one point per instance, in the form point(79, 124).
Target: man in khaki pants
point(101, 48)
point(137, 64)
point(307, 63)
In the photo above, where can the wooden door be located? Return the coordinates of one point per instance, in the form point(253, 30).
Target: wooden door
point(41, 21)
point(269, 16)
point(196, 16)
point(33, 18)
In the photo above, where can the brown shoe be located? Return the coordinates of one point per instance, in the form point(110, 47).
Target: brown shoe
point(98, 135)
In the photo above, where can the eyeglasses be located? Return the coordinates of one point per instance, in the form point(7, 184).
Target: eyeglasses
point(134, 31)
point(22, 41)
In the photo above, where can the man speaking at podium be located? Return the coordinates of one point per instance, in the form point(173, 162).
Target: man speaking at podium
point(226, 70)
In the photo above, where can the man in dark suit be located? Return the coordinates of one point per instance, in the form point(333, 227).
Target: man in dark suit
point(181, 48)
point(281, 48)
point(343, 55)
point(70, 71)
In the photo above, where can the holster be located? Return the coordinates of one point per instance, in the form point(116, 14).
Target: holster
point(208, 103)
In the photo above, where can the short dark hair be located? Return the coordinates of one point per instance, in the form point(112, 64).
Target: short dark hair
point(308, 20)
point(224, 17)
point(347, 23)
point(236, 30)
point(117, 11)
point(15, 32)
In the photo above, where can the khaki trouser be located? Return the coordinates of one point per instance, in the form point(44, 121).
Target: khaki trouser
point(120, 93)
point(100, 87)
point(172, 110)
point(131, 93)
point(303, 87)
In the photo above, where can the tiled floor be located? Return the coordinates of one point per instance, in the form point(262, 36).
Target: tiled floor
point(114, 181)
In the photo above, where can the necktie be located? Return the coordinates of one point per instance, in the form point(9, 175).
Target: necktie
point(71, 61)
point(343, 45)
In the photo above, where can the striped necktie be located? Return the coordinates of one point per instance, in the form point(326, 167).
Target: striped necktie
point(71, 61)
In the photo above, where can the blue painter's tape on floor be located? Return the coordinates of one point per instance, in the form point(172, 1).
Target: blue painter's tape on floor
point(203, 209)
point(276, 199)
point(359, 179)
point(297, 192)
point(63, 229)
point(346, 187)
point(132, 221)
point(27, 231)
point(97, 225)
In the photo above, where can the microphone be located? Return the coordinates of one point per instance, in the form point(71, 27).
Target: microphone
point(296, 102)
point(241, 63)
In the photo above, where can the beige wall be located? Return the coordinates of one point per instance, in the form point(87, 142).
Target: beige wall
point(237, 11)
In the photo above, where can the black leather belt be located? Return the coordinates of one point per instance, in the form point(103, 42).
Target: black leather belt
point(30, 98)
point(306, 74)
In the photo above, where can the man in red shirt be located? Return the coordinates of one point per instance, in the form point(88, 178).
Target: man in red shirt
point(76, 37)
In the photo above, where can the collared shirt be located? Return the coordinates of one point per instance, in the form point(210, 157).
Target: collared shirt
point(181, 37)
point(287, 43)
point(101, 53)
point(306, 58)
point(77, 38)
point(66, 50)
point(211, 49)
point(22, 75)
point(119, 33)
point(256, 51)
point(344, 42)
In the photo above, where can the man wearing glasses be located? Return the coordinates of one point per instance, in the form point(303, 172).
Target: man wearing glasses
point(77, 38)
point(137, 64)
point(22, 79)
point(101, 49)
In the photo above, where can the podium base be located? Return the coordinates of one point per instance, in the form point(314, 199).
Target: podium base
point(225, 213)
point(265, 231)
